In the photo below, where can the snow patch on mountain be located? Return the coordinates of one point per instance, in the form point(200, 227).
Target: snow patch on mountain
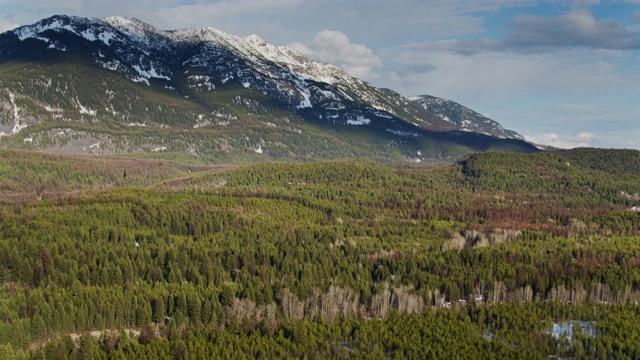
point(57, 46)
point(306, 100)
point(383, 114)
point(30, 34)
point(17, 121)
point(34, 31)
point(140, 79)
point(105, 36)
point(359, 120)
point(149, 73)
point(82, 109)
point(403, 133)
point(52, 109)
point(110, 65)
point(201, 81)
point(16, 115)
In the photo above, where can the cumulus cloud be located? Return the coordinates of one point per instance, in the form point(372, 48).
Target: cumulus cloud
point(334, 47)
point(582, 139)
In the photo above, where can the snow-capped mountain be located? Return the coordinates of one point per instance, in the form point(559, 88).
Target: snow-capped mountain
point(204, 66)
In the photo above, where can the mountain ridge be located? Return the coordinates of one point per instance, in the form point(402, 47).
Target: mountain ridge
point(201, 67)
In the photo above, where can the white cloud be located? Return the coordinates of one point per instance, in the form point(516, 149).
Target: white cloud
point(582, 139)
point(334, 47)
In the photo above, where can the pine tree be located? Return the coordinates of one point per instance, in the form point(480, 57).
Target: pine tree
point(19, 337)
point(142, 312)
point(158, 310)
point(38, 327)
point(89, 349)
point(194, 309)
point(6, 352)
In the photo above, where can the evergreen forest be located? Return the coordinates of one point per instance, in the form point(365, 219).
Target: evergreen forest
point(497, 256)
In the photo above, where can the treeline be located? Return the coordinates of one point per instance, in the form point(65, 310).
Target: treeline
point(612, 161)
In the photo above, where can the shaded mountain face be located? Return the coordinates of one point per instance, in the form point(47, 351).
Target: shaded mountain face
point(115, 85)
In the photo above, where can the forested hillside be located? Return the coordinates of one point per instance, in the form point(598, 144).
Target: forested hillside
point(491, 257)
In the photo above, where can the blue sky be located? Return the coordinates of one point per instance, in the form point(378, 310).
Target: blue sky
point(563, 73)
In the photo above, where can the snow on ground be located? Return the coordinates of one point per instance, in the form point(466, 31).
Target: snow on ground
point(111, 65)
point(403, 133)
point(151, 73)
point(84, 110)
point(359, 120)
point(306, 100)
point(17, 122)
point(52, 109)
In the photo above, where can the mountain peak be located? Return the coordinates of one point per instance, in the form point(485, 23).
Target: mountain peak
point(130, 25)
point(255, 39)
point(55, 23)
point(123, 21)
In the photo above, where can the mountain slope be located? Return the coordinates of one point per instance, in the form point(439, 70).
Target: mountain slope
point(462, 116)
point(113, 85)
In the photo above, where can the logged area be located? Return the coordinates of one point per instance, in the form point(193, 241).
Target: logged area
point(499, 255)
